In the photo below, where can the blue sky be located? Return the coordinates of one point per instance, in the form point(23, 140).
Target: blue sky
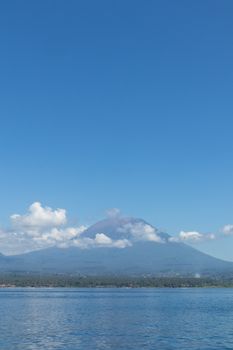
point(123, 104)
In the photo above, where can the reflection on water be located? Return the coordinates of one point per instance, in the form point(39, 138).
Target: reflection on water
point(71, 319)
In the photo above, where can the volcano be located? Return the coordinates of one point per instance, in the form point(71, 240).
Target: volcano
point(120, 246)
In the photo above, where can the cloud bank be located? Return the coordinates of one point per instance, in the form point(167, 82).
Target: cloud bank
point(42, 227)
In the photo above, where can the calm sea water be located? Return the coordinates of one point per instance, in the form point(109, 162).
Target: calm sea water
point(124, 319)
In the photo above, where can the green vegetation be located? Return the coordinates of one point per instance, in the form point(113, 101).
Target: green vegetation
point(60, 281)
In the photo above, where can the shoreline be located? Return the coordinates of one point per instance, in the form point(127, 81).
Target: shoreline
point(130, 282)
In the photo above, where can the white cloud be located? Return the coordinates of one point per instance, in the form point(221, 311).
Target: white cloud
point(141, 232)
point(101, 240)
point(57, 235)
point(12, 242)
point(192, 237)
point(122, 243)
point(40, 227)
point(39, 217)
point(228, 230)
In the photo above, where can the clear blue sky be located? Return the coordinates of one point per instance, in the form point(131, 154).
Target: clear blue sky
point(124, 104)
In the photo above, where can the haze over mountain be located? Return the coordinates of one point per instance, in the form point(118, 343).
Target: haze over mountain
point(119, 245)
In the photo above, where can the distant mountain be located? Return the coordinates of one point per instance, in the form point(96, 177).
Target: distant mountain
point(142, 258)
point(113, 228)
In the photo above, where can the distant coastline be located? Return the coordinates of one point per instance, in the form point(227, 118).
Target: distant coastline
point(67, 281)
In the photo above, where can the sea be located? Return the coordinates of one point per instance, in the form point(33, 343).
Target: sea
point(116, 318)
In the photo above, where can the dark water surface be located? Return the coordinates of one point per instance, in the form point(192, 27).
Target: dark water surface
point(112, 318)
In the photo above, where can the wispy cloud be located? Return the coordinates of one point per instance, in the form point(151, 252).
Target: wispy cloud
point(192, 237)
point(227, 230)
point(113, 212)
